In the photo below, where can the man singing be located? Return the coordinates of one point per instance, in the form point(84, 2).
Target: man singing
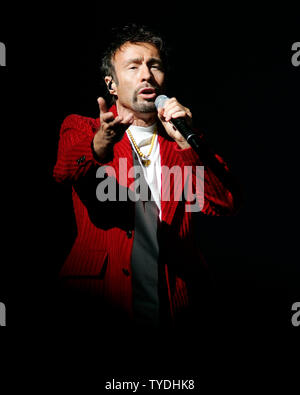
point(135, 260)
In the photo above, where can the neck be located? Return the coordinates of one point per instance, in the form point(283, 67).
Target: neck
point(139, 119)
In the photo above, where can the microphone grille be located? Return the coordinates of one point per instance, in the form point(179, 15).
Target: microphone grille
point(160, 101)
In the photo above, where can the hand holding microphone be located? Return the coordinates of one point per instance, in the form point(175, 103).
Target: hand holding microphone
point(177, 121)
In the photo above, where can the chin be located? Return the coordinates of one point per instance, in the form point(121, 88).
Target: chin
point(145, 107)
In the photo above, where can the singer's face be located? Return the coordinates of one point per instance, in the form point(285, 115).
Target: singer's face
point(140, 76)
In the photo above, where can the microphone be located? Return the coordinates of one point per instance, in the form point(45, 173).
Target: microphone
point(191, 137)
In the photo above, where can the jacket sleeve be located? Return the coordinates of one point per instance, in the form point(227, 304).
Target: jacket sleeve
point(75, 154)
point(221, 191)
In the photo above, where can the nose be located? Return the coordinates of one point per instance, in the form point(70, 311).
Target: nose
point(146, 74)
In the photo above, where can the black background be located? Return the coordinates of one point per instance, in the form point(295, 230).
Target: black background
point(233, 68)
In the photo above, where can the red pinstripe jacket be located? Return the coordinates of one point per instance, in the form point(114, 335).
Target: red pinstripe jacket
point(99, 262)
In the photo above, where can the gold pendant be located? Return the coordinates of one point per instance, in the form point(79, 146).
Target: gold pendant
point(146, 162)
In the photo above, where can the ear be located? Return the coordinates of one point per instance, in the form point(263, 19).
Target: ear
point(111, 86)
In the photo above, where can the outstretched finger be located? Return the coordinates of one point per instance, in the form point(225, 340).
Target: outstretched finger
point(107, 117)
point(122, 122)
point(102, 105)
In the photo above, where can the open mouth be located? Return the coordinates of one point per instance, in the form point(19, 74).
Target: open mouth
point(148, 93)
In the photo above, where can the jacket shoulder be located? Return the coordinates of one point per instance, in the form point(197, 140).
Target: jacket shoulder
point(79, 122)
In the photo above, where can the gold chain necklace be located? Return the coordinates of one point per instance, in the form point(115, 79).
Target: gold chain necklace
point(144, 158)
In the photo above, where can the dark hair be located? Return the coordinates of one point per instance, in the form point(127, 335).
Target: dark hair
point(133, 34)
